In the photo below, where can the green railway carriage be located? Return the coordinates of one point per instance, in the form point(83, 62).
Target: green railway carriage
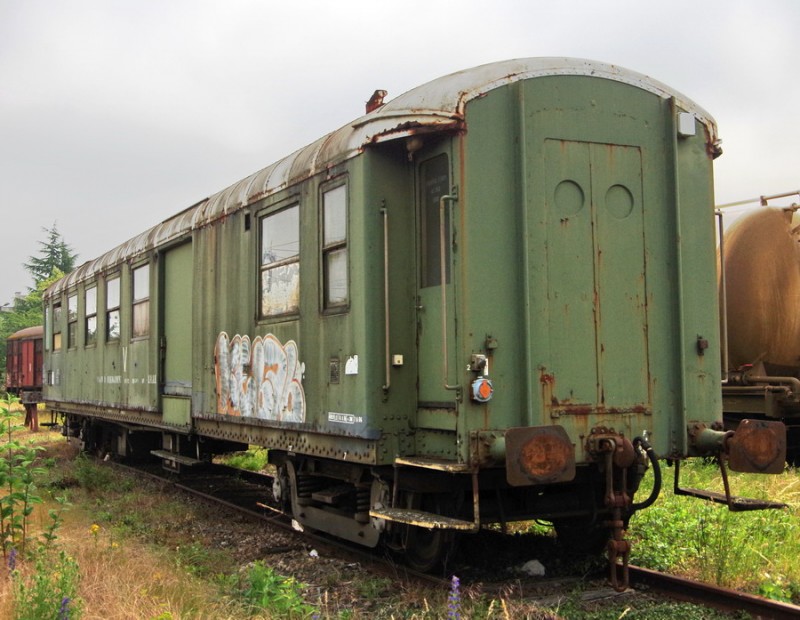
point(480, 302)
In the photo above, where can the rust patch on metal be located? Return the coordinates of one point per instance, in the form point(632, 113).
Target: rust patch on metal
point(758, 446)
point(539, 455)
point(376, 100)
point(544, 455)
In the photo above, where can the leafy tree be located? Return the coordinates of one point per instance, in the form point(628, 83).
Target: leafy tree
point(55, 254)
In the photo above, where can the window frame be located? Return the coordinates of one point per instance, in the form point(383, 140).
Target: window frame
point(142, 303)
point(57, 331)
point(90, 312)
point(264, 268)
point(113, 309)
point(335, 246)
point(72, 319)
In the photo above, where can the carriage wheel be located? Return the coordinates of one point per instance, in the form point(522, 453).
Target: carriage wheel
point(426, 549)
point(583, 536)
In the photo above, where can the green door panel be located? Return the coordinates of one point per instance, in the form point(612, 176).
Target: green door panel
point(436, 402)
point(596, 277)
point(177, 329)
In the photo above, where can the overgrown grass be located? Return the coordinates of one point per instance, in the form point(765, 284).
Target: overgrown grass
point(140, 556)
point(252, 459)
point(753, 551)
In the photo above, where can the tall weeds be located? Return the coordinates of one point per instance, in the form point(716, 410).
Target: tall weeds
point(45, 579)
point(756, 551)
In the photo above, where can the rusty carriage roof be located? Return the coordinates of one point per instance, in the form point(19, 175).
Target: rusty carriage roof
point(437, 105)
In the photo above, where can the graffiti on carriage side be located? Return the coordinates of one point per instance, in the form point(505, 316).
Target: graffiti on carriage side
point(261, 378)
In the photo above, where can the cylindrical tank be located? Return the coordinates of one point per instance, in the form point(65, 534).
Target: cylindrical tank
point(762, 272)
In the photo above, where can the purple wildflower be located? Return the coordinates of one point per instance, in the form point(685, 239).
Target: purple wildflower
point(12, 560)
point(454, 600)
point(63, 611)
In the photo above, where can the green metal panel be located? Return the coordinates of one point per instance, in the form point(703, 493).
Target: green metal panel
point(177, 410)
point(587, 258)
point(177, 330)
point(596, 277)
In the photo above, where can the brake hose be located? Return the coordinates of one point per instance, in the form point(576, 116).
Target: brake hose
point(642, 443)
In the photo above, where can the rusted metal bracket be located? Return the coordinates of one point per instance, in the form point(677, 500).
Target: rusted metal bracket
point(619, 551)
point(617, 499)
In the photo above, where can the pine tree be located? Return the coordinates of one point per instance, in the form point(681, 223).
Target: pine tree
point(55, 259)
point(55, 254)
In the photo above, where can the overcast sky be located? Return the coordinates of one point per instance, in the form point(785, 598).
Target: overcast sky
point(117, 114)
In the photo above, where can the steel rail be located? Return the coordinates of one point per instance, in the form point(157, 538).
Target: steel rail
point(724, 599)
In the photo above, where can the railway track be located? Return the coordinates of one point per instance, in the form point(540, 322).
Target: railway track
point(250, 494)
point(723, 599)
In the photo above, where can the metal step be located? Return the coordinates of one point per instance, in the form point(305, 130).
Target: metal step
point(176, 458)
point(430, 463)
point(734, 503)
point(420, 518)
point(332, 495)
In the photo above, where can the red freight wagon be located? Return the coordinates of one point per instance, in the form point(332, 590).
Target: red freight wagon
point(24, 369)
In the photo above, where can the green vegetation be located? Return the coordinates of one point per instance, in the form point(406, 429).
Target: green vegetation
point(753, 551)
point(55, 256)
point(55, 259)
point(44, 579)
point(253, 459)
point(266, 590)
point(116, 526)
point(666, 610)
point(49, 590)
point(18, 481)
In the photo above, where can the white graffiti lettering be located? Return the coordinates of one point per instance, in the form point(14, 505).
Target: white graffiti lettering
point(261, 379)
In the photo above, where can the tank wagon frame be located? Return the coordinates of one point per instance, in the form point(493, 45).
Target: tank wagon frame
point(472, 305)
point(758, 293)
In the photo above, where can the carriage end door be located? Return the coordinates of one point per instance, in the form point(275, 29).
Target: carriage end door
point(436, 318)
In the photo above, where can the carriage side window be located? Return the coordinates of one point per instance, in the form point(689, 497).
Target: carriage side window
point(90, 301)
point(280, 262)
point(57, 327)
point(434, 183)
point(112, 309)
point(334, 247)
point(72, 321)
point(141, 301)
